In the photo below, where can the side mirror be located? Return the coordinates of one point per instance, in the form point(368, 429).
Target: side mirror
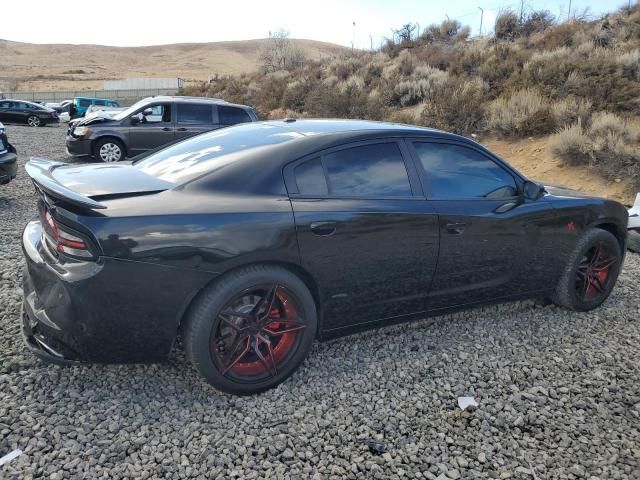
point(135, 120)
point(532, 190)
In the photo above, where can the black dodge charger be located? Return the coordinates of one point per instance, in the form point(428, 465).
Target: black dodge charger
point(252, 241)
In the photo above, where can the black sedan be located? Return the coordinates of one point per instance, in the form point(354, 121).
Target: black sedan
point(8, 158)
point(252, 241)
point(29, 113)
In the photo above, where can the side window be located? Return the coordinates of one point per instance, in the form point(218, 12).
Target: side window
point(369, 170)
point(102, 103)
point(232, 115)
point(310, 178)
point(194, 113)
point(455, 172)
point(5, 104)
point(160, 113)
point(83, 102)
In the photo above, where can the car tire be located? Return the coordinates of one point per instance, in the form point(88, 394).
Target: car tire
point(633, 241)
point(591, 271)
point(244, 355)
point(34, 121)
point(109, 150)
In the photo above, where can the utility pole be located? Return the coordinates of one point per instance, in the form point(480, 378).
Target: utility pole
point(569, 12)
point(481, 16)
point(521, 10)
point(353, 38)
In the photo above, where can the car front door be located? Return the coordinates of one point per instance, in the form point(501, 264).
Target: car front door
point(493, 242)
point(364, 231)
point(155, 127)
point(193, 119)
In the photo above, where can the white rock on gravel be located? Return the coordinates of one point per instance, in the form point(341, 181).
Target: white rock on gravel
point(559, 394)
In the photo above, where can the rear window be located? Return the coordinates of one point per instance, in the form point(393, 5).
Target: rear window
point(194, 113)
point(210, 151)
point(232, 115)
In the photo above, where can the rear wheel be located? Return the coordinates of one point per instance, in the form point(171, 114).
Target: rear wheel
point(591, 272)
point(34, 121)
point(109, 150)
point(251, 329)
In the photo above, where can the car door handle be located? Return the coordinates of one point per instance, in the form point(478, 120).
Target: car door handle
point(182, 129)
point(167, 129)
point(455, 227)
point(324, 229)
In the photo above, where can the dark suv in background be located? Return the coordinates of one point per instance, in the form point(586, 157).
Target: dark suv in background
point(151, 123)
point(20, 111)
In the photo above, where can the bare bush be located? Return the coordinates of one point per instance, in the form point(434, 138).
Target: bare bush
point(456, 106)
point(526, 112)
point(280, 53)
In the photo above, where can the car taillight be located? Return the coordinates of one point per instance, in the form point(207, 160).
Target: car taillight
point(67, 242)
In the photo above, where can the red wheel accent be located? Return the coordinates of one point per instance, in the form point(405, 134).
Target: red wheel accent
point(254, 343)
point(593, 273)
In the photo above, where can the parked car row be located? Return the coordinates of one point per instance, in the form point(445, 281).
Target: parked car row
point(29, 113)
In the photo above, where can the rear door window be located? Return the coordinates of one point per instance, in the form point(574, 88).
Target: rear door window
point(368, 170)
point(232, 115)
point(195, 113)
point(310, 178)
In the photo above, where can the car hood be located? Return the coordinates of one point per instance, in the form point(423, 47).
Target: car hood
point(562, 191)
point(98, 118)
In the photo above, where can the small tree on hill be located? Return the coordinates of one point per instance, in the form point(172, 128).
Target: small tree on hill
point(280, 53)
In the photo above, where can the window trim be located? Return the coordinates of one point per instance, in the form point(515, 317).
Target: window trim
point(422, 174)
point(414, 182)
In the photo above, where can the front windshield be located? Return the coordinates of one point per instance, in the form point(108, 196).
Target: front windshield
point(124, 114)
point(211, 151)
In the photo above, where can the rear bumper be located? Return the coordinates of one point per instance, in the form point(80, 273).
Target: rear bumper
point(108, 311)
point(8, 167)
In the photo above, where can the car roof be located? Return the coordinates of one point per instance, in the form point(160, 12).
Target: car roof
point(185, 99)
point(339, 126)
point(23, 101)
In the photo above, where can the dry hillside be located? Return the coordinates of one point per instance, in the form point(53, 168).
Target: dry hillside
point(65, 67)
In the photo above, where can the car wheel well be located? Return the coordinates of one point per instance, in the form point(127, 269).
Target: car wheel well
point(106, 137)
point(614, 230)
point(297, 270)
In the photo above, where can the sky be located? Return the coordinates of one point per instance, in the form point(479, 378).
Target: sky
point(149, 22)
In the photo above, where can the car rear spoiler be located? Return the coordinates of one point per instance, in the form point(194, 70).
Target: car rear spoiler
point(40, 169)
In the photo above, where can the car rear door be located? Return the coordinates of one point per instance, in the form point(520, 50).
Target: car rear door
point(363, 231)
point(193, 119)
point(5, 111)
point(153, 130)
point(493, 242)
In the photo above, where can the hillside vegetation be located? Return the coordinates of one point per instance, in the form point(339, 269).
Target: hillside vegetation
point(578, 80)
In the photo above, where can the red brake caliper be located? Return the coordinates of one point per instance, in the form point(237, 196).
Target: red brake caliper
point(283, 343)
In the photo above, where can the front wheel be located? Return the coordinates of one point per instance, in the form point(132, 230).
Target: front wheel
point(591, 272)
point(251, 329)
point(34, 121)
point(109, 150)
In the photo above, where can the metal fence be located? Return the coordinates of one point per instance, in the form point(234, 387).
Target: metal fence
point(124, 97)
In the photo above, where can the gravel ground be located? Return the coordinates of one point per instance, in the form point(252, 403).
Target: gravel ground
point(559, 395)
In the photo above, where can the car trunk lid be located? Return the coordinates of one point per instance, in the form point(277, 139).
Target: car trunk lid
point(85, 185)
